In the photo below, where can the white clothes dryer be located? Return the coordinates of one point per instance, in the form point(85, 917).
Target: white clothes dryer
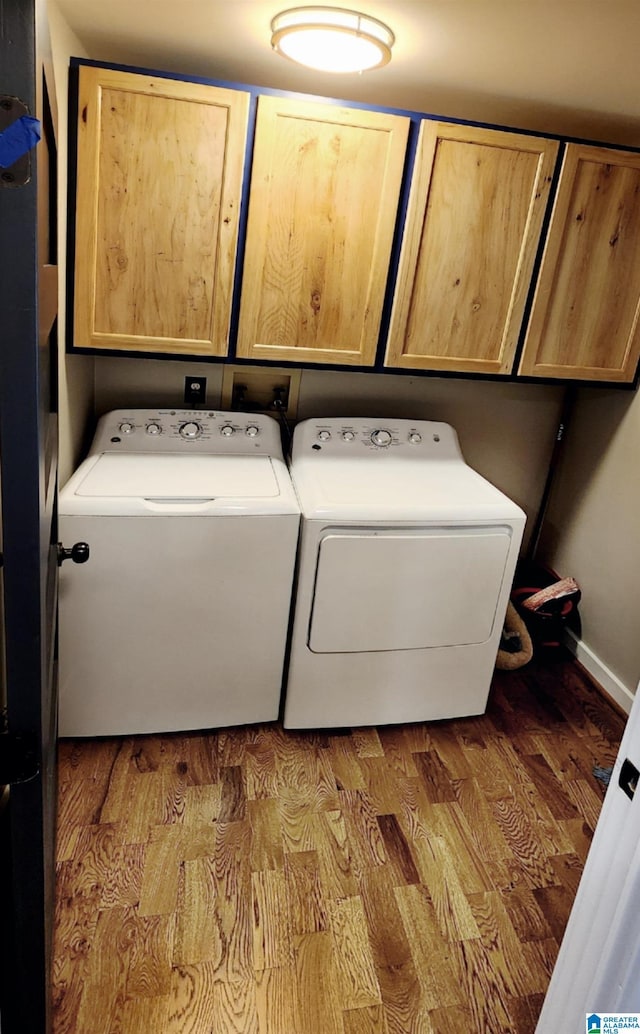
point(406, 561)
point(179, 619)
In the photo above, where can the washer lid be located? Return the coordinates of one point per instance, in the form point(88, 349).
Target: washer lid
point(402, 490)
point(136, 483)
point(174, 476)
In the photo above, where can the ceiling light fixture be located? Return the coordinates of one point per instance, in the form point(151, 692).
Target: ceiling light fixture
point(331, 39)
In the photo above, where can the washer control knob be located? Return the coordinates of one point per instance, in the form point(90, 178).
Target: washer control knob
point(324, 436)
point(252, 431)
point(415, 438)
point(154, 428)
point(190, 429)
point(381, 437)
point(227, 430)
point(127, 428)
point(348, 436)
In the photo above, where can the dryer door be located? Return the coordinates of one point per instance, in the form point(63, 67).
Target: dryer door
point(395, 589)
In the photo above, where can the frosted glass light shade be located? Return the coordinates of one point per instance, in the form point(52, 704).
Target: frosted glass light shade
point(331, 39)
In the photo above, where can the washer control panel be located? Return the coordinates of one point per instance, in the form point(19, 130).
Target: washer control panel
point(362, 437)
point(186, 430)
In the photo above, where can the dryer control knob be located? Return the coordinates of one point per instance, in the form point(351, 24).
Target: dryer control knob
point(415, 438)
point(126, 428)
point(154, 429)
point(190, 430)
point(324, 436)
point(252, 431)
point(381, 437)
point(227, 430)
point(348, 436)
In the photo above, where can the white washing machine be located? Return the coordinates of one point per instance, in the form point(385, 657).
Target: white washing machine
point(179, 619)
point(406, 561)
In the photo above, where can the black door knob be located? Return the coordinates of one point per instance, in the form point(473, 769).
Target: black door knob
point(79, 553)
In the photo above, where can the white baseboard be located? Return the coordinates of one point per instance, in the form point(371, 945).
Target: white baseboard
point(603, 675)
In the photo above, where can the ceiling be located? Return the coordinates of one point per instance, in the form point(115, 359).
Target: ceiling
point(564, 66)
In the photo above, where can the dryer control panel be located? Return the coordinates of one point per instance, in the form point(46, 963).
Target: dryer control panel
point(186, 430)
point(362, 437)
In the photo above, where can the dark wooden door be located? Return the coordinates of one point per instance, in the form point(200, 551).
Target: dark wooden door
point(28, 466)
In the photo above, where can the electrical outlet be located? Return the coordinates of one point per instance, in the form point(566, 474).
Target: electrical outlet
point(195, 391)
point(255, 389)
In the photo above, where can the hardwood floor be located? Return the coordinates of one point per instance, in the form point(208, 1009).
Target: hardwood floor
point(403, 880)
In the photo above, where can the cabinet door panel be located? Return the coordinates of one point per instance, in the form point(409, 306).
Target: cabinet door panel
point(584, 321)
point(475, 215)
point(158, 197)
point(324, 195)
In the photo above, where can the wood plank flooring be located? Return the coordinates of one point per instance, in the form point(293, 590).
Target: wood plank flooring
point(403, 880)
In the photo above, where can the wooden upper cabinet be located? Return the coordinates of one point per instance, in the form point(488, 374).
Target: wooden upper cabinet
point(477, 203)
point(324, 196)
point(159, 180)
point(584, 321)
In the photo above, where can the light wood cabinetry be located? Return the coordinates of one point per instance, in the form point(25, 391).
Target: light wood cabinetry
point(584, 320)
point(325, 189)
point(159, 182)
point(159, 179)
point(476, 208)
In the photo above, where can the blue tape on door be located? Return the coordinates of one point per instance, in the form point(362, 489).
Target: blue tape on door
point(17, 139)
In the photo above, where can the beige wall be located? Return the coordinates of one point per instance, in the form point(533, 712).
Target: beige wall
point(75, 373)
point(591, 531)
point(506, 430)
